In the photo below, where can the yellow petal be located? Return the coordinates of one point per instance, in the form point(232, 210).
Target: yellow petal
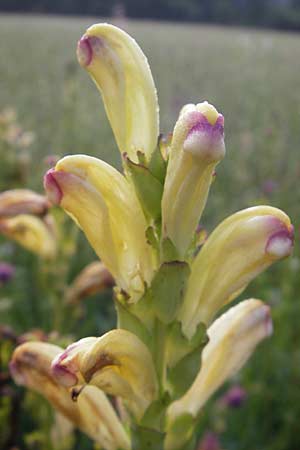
point(104, 205)
point(118, 363)
point(197, 147)
point(122, 74)
point(232, 339)
point(31, 232)
point(92, 413)
point(94, 278)
point(22, 201)
point(240, 248)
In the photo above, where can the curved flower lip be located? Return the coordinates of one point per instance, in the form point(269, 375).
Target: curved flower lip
point(65, 371)
point(281, 243)
point(62, 373)
point(53, 190)
point(85, 50)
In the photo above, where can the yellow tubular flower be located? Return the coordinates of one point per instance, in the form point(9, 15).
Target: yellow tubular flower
point(239, 249)
point(232, 339)
point(122, 74)
point(92, 413)
point(92, 279)
point(197, 147)
point(104, 205)
point(118, 363)
point(32, 232)
point(22, 201)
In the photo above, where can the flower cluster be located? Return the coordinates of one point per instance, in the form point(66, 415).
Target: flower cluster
point(168, 354)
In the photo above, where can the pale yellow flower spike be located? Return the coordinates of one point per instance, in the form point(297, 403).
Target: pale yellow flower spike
point(240, 248)
point(122, 74)
point(117, 362)
point(103, 203)
point(92, 413)
point(232, 339)
point(31, 232)
point(197, 147)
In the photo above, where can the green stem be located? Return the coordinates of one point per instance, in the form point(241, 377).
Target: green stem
point(159, 350)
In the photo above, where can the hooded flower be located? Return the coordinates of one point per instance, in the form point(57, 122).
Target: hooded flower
point(94, 278)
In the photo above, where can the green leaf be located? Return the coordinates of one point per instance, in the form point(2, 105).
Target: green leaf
point(178, 345)
point(128, 321)
point(184, 373)
point(183, 357)
point(151, 238)
point(154, 416)
point(181, 433)
point(168, 288)
point(148, 188)
point(141, 158)
point(158, 165)
point(147, 439)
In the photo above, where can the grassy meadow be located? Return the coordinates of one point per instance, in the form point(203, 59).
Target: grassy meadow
point(252, 77)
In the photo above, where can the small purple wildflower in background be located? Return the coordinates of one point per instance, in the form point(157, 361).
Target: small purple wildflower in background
point(210, 441)
point(234, 397)
point(7, 272)
point(269, 186)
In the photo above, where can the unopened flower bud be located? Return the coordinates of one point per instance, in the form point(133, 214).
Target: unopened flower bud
point(232, 339)
point(197, 147)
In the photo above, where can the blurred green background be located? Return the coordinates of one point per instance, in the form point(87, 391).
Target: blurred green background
point(252, 77)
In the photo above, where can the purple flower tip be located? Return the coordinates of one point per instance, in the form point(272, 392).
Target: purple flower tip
point(54, 192)
point(63, 375)
point(203, 125)
point(7, 272)
point(85, 51)
point(204, 139)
